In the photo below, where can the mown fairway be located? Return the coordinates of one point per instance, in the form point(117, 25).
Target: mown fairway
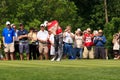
point(64, 70)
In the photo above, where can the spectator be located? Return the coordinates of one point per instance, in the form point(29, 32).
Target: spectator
point(68, 39)
point(88, 43)
point(49, 46)
point(95, 33)
point(30, 42)
point(35, 42)
point(32, 35)
point(42, 37)
point(78, 43)
point(116, 45)
point(99, 42)
point(23, 42)
point(52, 48)
point(8, 41)
point(16, 41)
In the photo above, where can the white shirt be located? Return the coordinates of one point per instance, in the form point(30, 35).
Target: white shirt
point(116, 45)
point(52, 49)
point(16, 36)
point(68, 38)
point(79, 41)
point(51, 38)
point(42, 35)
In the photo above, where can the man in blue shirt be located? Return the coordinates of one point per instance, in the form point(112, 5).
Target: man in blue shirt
point(99, 42)
point(23, 41)
point(8, 40)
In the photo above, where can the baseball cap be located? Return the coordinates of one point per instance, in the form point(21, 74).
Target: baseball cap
point(12, 25)
point(100, 31)
point(95, 32)
point(88, 29)
point(78, 29)
point(7, 23)
point(42, 25)
point(21, 24)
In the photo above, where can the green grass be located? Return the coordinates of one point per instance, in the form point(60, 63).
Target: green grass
point(64, 70)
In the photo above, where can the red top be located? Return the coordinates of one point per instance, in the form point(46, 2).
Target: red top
point(88, 38)
point(59, 30)
point(54, 24)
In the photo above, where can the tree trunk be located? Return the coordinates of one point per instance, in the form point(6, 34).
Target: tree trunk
point(106, 14)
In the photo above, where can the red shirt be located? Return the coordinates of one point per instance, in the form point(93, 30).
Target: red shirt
point(54, 25)
point(88, 40)
point(59, 30)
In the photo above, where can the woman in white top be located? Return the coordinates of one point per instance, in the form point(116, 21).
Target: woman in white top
point(78, 43)
point(52, 48)
point(116, 45)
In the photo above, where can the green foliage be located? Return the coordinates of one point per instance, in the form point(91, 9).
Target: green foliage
point(35, 23)
point(97, 17)
point(34, 12)
point(92, 13)
point(116, 22)
point(113, 8)
point(108, 31)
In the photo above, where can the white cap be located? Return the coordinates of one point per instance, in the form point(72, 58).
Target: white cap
point(88, 29)
point(7, 23)
point(42, 25)
point(95, 32)
point(12, 25)
point(78, 29)
point(45, 23)
point(100, 31)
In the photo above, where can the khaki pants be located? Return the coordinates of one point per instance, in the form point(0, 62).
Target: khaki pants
point(88, 53)
point(9, 47)
point(43, 48)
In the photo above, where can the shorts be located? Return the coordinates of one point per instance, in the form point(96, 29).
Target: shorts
point(9, 47)
point(43, 48)
point(24, 46)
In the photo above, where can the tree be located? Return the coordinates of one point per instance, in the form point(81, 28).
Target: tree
point(106, 14)
point(34, 12)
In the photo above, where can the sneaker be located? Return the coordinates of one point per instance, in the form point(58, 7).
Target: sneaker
point(71, 58)
point(115, 58)
point(53, 59)
point(58, 59)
